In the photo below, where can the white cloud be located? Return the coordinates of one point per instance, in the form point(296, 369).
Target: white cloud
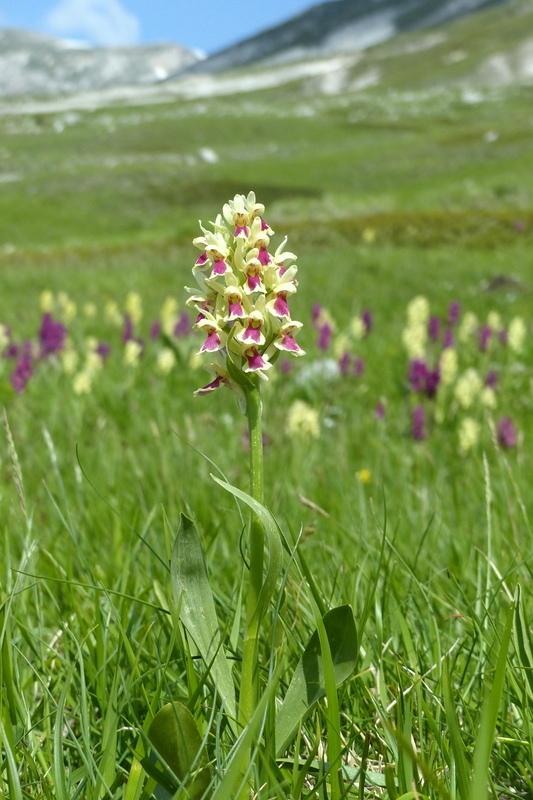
point(102, 22)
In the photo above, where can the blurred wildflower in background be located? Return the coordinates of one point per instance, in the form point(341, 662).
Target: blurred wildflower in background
point(469, 430)
point(364, 476)
point(506, 432)
point(302, 420)
point(516, 334)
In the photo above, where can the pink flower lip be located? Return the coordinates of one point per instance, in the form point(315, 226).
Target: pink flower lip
point(254, 282)
point(210, 387)
point(255, 359)
point(252, 334)
point(264, 256)
point(290, 344)
point(202, 261)
point(212, 343)
point(220, 267)
point(235, 310)
point(281, 307)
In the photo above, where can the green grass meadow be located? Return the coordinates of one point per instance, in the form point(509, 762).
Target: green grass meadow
point(385, 195)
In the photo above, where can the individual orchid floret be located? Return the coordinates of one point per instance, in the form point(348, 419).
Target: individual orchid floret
point(203, 303)
point(216, 252)
point(277, 301)
point(237, 303)
point(214, 335)
point(237, 216)
point(256, 362)
point(221, 378)
point(273, 277)
point(285, 340)
point(281, 257)
point(254, 280)
point(260, 243)
point(251, 333)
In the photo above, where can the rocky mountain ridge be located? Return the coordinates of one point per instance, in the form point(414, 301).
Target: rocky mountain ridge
point(339, 26)
point(31, 63)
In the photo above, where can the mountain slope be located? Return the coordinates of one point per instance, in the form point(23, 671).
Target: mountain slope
point(31, 63)
point(340, 26)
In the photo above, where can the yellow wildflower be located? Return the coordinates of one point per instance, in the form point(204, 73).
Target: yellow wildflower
point(468, 387)
point(132, 353)
point(448, 366)
point(46, 301)
point(302, 420)
point(134, 307)
point(418, 311)
point(166, 360)
point(83, 382)
point(469, 430)
point(468, 326)
point(516, 334)
point(364, 476)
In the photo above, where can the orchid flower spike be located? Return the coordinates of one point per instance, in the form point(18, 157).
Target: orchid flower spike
point(242, 307)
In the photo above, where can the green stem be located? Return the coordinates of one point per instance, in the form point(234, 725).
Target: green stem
point(250, 674)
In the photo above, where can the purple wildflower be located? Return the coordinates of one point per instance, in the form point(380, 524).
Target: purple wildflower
point(417, 374)
point(103, 350)
point(434, 328)
point(11, 351)
point(492, 380)
point(432, 382)
point(454, 312)
point(484, 336)
point(418, 420)
point(324, 336)
point(315, 313)
point(380, 411)
point(448, 340)
point(286, 366)
point(359, 366)
point(127, 333)
point(51, 336)
point(368, 321)
point(502, 334)
point(344, 362)
point(155, 329)
point(506, 432)
point(22, 373)
point(183, 325)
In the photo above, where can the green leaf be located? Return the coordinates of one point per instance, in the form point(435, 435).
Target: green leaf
point(194, 599)
point(174, 733)
point(275, 547)
point(307, 684)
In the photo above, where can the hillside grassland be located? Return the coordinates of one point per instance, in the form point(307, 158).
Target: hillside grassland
point(385, 195)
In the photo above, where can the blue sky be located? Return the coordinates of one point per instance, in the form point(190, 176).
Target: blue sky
point(207, 25)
